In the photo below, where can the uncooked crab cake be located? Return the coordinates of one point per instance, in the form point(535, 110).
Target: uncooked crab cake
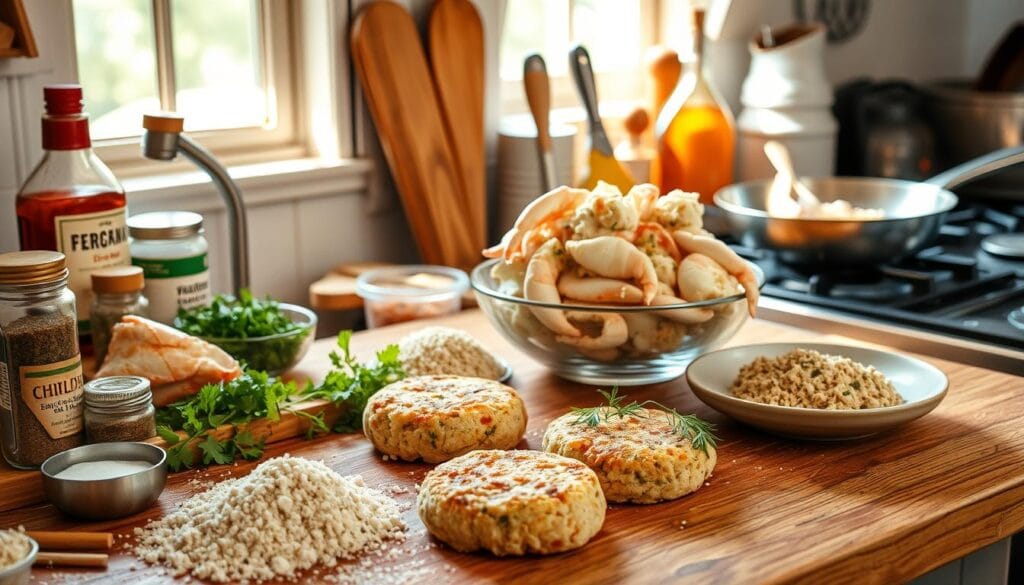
point(512, 503)
point(435, 418)
point(638, 459)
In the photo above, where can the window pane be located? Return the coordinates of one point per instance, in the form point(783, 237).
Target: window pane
point(116, 64)
point(217, 64)
point(610, 29)
point(535, 26)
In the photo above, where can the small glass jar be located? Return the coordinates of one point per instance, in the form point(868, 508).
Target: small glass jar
point(171, 249)
point(40, 364)
point(119, 408)
point(116, 292)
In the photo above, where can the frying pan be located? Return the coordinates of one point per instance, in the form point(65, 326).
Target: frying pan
point(914, 213)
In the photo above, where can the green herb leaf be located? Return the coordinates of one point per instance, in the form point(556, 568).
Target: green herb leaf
point(251, 396)
point(167, 434)
point(317, 424)
point(248, 446)
point(180, 456)
point(350, 384)
point(215, 451)
point(699, 432)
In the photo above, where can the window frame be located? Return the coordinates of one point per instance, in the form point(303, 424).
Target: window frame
point(283, 139)
point(612, 86)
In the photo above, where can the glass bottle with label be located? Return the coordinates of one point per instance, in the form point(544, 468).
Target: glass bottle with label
point(40, 366)
point(71, 202)
point(171, 249)
point(695, 130)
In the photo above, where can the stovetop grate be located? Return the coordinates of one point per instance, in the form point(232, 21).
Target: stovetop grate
point(954, 287)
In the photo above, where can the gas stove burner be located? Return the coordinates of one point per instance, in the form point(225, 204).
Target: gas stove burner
point(879, 291)
point(1016, 318)
point(1009, 245)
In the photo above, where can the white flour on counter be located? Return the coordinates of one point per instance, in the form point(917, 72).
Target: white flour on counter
point(289, 514)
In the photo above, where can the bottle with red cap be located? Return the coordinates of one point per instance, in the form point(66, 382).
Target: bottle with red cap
point(71, 202)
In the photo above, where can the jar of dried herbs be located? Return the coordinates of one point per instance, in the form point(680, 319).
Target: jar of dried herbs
point(119, 408)
point(117, 291)
point(40, 365)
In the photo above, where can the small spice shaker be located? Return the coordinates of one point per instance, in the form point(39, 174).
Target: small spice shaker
point(119, 408)
point(40, 364)
point(117, 291)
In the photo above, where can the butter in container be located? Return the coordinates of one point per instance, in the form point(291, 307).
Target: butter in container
point(406, 293)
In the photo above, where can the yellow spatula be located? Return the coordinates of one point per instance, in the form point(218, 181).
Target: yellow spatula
point(601, 162)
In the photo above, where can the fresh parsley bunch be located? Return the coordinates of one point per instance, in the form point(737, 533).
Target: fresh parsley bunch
point(351, 384)
point(251, 396)
point(231, 323)
point(699, 432)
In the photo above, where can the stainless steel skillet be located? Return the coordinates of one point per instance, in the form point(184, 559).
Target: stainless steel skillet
point(914, 212)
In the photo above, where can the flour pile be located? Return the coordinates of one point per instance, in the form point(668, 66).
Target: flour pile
point(289, 514)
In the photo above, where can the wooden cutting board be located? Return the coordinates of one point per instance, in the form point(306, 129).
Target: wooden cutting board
point(456, 42)
point(878, 510)
point(402, 99)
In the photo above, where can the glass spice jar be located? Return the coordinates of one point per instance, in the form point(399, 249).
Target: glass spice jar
point(116, 292)
point(40, 365)
point(119, 408)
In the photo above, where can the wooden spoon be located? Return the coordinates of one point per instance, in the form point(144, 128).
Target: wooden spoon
point(538, 95)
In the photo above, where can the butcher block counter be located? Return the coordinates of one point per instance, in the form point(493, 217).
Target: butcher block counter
point(877, 510)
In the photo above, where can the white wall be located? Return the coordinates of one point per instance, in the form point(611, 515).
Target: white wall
point(911, 39)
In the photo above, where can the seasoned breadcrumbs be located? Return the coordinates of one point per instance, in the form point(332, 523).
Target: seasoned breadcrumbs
point(809, 379)
point(14, 546)
point(447, 351)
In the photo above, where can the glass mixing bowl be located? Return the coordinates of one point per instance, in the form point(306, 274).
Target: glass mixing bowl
point(658, 349)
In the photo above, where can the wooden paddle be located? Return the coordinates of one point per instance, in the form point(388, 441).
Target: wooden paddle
point(602, 164)
point(402, 98)
point(456, 42)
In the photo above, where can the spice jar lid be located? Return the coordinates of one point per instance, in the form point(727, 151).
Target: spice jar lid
point(165, 225)
point(32, 267)
point(118, 279)
point(117, 391)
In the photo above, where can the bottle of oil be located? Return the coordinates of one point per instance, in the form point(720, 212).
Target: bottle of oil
point(695, 132)
point(71, 202)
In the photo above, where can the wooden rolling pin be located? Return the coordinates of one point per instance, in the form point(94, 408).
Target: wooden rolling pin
point(91, 541)
point(69, 559)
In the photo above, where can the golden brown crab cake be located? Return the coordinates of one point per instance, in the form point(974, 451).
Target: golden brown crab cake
point(512, 503)
point(638, 459)
point(435, 418)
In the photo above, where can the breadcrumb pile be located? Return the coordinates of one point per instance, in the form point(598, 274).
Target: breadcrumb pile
point(289, 514)
point(14, 546)
point(447, 351)
point(809, 379)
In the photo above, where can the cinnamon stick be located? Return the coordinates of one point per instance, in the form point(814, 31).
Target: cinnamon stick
point(90, 541)
point(69, 559)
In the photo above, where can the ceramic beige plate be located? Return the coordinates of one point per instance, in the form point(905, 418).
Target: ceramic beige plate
point(921, 385)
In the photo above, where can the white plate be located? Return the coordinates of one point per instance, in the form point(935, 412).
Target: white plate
point(921, 385)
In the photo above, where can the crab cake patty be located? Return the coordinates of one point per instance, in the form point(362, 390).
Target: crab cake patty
point(512, 503)
point(638, 459)
point(435, 418)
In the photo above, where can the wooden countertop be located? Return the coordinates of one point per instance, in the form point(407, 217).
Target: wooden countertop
point(878, 510)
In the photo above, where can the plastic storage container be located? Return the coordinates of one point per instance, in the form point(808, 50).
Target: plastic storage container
point(407, 293)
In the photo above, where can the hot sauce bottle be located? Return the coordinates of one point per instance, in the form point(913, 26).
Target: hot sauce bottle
point(71, 202)
point(695, 131)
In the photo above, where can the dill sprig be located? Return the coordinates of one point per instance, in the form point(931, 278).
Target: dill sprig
point(699, 432)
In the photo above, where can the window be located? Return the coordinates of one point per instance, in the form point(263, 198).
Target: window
point(225, 66)
point(615, 32)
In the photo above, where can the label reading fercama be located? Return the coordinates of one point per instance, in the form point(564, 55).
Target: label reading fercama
point(91, 241)
point(170, 284)
point(53, 392)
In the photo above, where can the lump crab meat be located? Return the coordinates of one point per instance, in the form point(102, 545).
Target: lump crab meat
point(613, 257)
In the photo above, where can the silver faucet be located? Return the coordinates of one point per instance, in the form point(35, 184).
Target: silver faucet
point(163, 140)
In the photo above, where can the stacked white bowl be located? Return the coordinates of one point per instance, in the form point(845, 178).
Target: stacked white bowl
point(519, 176)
